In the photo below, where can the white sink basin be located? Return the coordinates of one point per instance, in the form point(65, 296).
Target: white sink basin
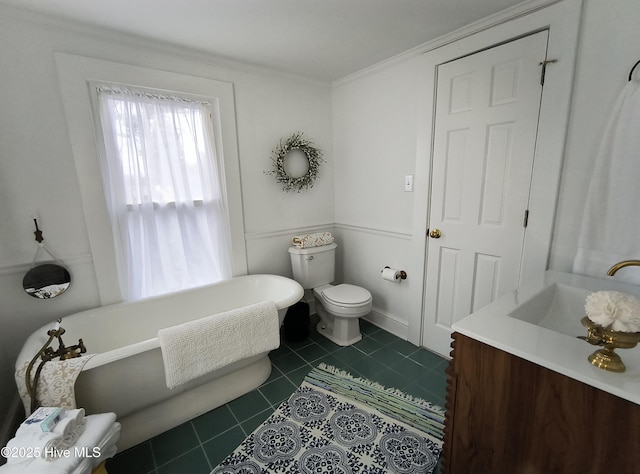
point(557, 307)
point(560, 306)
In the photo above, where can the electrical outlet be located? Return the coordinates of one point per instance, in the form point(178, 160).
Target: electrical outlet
point(408, 183)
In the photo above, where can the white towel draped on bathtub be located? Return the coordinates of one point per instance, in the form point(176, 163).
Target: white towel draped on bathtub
point(56, 383)
point(196, 348)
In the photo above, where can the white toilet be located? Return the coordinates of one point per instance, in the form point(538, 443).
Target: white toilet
point(340, 306)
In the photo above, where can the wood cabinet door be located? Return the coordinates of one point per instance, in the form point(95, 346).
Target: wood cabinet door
point(508, 415)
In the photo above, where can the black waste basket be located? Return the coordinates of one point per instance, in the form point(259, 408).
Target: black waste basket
point(296, 322)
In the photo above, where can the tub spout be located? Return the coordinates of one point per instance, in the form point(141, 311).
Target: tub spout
point(625, 263)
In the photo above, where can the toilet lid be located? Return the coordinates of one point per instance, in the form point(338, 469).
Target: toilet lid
point(347, 294)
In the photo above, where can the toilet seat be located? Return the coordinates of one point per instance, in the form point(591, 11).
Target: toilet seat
point(347, 295)
point(347, 301)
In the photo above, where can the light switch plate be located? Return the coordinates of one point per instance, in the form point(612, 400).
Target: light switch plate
point(408, 183)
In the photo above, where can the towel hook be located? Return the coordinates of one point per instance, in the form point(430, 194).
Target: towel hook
point(38, 232)
point(633, 69)
point(41, 246)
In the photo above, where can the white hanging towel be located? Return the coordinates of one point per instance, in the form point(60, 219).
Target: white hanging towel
point(611, 225)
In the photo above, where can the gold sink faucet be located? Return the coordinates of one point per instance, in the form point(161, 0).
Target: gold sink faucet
point(625, 263)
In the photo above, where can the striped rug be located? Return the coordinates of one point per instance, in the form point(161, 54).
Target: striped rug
point(412, 410)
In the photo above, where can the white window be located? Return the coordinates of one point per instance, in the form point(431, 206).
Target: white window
point(163, 176)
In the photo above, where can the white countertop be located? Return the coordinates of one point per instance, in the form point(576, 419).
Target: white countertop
point(554, 350)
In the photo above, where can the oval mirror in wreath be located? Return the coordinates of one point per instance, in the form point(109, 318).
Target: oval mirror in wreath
point(46, 280)
point(296, 163)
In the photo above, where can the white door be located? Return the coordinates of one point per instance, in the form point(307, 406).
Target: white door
point(486, 116)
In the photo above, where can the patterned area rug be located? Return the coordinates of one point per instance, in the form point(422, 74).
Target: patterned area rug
point(335, 423)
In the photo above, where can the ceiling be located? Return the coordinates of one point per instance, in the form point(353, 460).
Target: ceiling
point(323, 39)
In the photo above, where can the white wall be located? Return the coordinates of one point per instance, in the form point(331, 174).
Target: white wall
point(375, 138)
point(37, 172)
point(609, 47)
point(375, 133)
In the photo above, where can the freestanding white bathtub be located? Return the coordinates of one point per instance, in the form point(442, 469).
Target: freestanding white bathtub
point(126, 375)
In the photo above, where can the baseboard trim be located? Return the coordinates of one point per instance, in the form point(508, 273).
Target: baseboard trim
point(389, 323)
point(377, 317)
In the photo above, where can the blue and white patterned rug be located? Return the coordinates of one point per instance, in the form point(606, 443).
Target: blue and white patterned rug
point(332, 424)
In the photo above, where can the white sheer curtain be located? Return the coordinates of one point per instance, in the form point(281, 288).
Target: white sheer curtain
point(164, 186)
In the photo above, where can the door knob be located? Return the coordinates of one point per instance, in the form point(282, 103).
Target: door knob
point(435, 234)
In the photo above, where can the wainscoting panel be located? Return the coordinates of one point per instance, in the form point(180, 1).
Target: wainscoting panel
point(268, 252)
point(362, 254)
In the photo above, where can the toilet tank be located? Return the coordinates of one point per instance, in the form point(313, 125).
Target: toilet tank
point(314, 266)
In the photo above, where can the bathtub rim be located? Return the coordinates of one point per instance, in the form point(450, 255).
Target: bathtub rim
point(36, 339)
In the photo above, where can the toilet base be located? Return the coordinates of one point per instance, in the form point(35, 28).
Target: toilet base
point(343, 332)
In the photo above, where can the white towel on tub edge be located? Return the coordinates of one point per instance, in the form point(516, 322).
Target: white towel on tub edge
point(198, 347)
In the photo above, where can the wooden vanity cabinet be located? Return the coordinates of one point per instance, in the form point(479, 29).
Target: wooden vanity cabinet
point(506, 415)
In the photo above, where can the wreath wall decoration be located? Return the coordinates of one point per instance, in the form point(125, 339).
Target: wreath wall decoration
point(296, 142)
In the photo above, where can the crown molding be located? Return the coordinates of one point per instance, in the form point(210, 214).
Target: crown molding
point(503, 16)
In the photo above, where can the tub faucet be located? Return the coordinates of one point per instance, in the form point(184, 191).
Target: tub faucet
point(46, 353)
point(625, 263)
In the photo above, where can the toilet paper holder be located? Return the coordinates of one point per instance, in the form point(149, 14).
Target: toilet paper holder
point(403, 274)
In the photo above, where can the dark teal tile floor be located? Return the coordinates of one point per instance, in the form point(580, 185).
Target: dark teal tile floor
point(197, 446)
